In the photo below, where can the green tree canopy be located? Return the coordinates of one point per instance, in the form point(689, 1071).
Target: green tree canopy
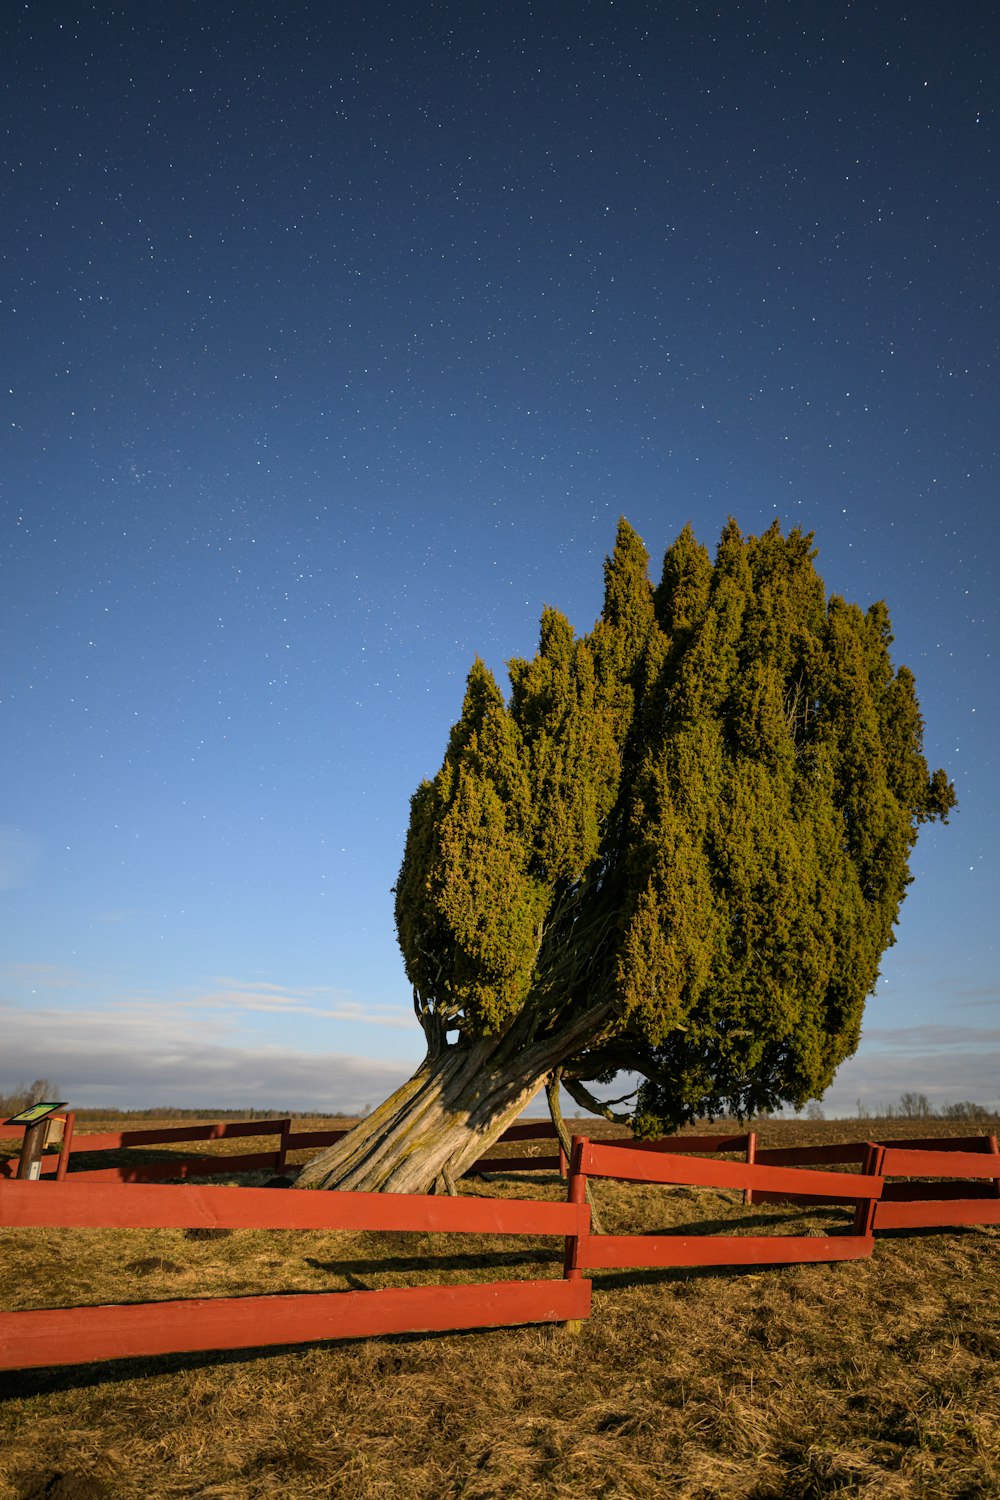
point(677, 850)
point(683, 841)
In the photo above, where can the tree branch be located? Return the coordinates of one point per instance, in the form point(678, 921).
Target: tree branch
point(584, 1097)
point(555, 1113)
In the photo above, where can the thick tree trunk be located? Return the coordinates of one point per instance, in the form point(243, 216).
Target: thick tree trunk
point(431, 1130)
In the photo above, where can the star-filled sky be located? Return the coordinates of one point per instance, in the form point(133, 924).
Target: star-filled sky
point(335, 339)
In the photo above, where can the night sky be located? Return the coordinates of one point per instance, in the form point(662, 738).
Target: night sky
point(335, 340)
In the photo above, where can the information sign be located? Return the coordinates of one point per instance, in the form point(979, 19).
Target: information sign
point(35, 1112)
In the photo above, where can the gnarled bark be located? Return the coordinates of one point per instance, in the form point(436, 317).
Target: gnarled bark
point(432, 1129)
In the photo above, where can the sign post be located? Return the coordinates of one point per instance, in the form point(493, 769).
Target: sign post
point(37, 1120)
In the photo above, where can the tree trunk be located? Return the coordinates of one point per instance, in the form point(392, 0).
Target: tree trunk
point(432, 1129)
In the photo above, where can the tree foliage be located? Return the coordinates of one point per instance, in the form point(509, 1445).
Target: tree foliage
point(687, 833)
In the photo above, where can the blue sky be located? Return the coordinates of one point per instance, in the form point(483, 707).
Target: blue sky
point(333, 347)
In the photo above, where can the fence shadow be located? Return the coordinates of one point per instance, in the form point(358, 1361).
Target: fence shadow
point(481, 1261)
point(19, 1385)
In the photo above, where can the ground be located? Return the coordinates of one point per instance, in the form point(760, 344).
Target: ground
point(873, 1378)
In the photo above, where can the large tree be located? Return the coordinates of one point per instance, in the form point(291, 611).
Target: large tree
point(677, 851)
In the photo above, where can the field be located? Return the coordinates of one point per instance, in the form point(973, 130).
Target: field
point(871, 1378)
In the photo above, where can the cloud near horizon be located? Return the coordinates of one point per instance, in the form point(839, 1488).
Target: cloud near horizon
point(143, 1051)
point(140, 1058)
point(947, 1063)
point(323, 1001)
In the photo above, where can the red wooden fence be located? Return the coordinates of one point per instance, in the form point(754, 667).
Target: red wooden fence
point(591, 1159)
point(967, 1195)
point(208, 1165)
point(74, 1335)
point(945, 1182)
point(699, 1145)
point(78, 1335)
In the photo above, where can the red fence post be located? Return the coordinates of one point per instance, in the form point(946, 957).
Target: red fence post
point(864, 1214)
point(67, 1144)
point(286, 1130)
point(576, 1193)
point(751, 1158)
point(995, 1149)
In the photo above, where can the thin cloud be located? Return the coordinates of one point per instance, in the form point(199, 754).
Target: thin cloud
point(932, 1036)
point(975, 995)
point(946, 1063)
point(263, 986)
point(135, 1059)
point(324, 1002)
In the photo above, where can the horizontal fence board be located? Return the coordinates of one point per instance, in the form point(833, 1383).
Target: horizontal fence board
point(16, 1132)
point(900, 1162)
point(230, 1129)
point(513, 1164)
point(310, 1140)
point(79, 1335)
point(121, 1140)
point(159, 1171)
point(936, 1214)
point(924, 1190)
point(682, 1144)
point(605, 1251)
point(942, 1143)
point(810, 1200)
point(813, 1156)
point(537, 1130)
point(639, 1166)
point(304, 1140)
point(144, 1206)
point(217, 1164)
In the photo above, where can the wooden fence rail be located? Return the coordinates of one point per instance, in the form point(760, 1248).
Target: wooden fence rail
point(80, 1335)
point(75, 1146)
point(966, 1189)
point(800, 1175)
point(940, 1182)
point(700, 1145)
point(590, 1251)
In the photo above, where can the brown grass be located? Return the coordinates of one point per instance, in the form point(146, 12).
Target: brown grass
point(876, 1378)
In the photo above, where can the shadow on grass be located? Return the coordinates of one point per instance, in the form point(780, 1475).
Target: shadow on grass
point(735, 1228)
point(932, 1232)
point(19, 1385)
point(653, 1276)
point(24, 1384)
point(497, 1260)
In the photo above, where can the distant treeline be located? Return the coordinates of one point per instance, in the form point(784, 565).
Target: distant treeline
point(25, 1094)
point(174, 1112)
point(919, 1107)
point(910, 1106)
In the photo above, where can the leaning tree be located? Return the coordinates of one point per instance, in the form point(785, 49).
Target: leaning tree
point(677, 852)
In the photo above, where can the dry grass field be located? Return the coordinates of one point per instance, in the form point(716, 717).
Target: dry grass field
point(878, 1378)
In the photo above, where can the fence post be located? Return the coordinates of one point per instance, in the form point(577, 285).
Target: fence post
point(576, 1193)
point(29, 1163)
point(66, 1145)
point(995, 1149)
point(864, 1214)
point(751, 1158)
point(286, 1130)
